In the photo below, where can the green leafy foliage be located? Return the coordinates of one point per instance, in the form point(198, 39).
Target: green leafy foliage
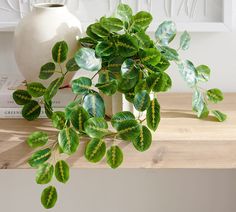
point(59, 120)
point(118, 118)
point(37, 139)
point(49, 197)
point(47, 70)
point(112, 24)
point(203, 72)
point(31, 110)
point(44, 173)
point(153, 114)
point(36, 89)
point(215, 95)
point(68, 140)
point(62, 171)
point(114, 157)
point(39, 157)
point(185, 40)
point(71, 65)
point(21, 97)
point(199, 105)
point(165, 32)
point(53, 88)
point(124, 12)
point(128, 130)
point(81, 85)
point(219, 115)
point(141, 100)
point(127, 45)
point(95, 150)
point(59, 52)
point(142, 19)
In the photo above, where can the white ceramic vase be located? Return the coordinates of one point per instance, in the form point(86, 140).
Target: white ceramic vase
point(36, 34)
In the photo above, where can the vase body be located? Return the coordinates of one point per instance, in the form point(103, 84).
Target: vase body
point(37, 33)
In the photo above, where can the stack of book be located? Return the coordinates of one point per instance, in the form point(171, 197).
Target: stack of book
point(8, 107)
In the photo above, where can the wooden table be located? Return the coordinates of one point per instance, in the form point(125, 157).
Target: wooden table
point(181, 141)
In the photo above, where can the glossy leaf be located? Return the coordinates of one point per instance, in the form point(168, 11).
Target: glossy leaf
point(36, 89)
point(47, 70)
point(58, 120)
point(88, 42)
point(169, 53)
point(129, 69)
point(96, 127)
point(81, 85)
point(185, 40)
point(114, 64)
point(95, 150)
point(49, 197)
point(48, 109)
point(53, 88)
point(109, 88)
point(114, 157)
point(150, 56)
point(219, 115)
point(78, 118)
point(72, 106)
point(203, 72)
point(68, 140)
point(94, 105)
point(125, 84)
point(124, 12)
point(127, 46)
point(98, 30)
point(188, 72)
point(165, 32)
point(120, 117)
point(71, 65)
point(153, 115)
point(86, 59)
point(39, 157)
point(62, 171)
point(44, 173)
point(21, 97)
point(159, 82)
point(59, 52)
point(143, 39)
point(111, 24)
point(37, 139)
point(104, 49)
point(142, 19)
point(31, 110)
point(141, 100)
point(93, 35)
point(128, 130)
point(215, 95)
point(144, 140)
point(199, 104)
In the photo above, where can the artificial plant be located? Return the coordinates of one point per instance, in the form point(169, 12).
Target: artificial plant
point(123, 56)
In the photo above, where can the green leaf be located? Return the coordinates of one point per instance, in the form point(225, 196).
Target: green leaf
point(106, 76)
point(108, 88)
point(141, 100)
point(104, 49)
point(78, 118)
point(188, 72)
point(124, 12)
point(111, 24)
point(68, 140)
point(163, 64)
point(21, 97)
point(129, 95)
point(95, 150)
point(114, 157)
point(127, 46)
point(144, 140)
point(59, 52)
point(88, 42)
point(53, 88)
point(128, 130)
point(150, 56)
point(39, 157)
point(203, 72)
point(59, 120)
point(37, 139)
point(129, 69)
point(71, 65)
point(199, 104)
point(143, 39)
point(219, 115)
point(141, 85)
point(94, 105)
point(153, 115)
point(86, 59)
point(44, 173)
point(72, 106)
point(48, 109)
point(49, 197)
point(120, 117)
point(92, 35)
point(125, 84)
point(81, 85)
point(142, 19)
point(31, 110)
point(114, 64)
point(36, 89)
point(47, 70)
point(62, 171)
point(165, 32)
point(185, 40)
point(159, 82)
point(215, 95)
point(96, 127)
point(169, 53)
point(100, 31)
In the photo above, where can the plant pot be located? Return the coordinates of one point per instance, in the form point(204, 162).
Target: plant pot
point(36, 34)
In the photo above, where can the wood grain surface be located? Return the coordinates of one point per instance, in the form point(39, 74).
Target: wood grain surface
point(181, 141)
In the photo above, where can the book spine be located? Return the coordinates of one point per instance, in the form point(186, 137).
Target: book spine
point(15, 113)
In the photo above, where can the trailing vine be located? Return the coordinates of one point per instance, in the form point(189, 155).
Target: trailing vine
point(123, 56)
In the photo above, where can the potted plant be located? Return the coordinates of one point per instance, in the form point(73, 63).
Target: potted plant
point(127, 60)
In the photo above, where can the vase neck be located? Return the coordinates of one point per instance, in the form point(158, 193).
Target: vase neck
point(49, 7)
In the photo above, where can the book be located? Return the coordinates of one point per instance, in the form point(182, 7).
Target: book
point(15, 113)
